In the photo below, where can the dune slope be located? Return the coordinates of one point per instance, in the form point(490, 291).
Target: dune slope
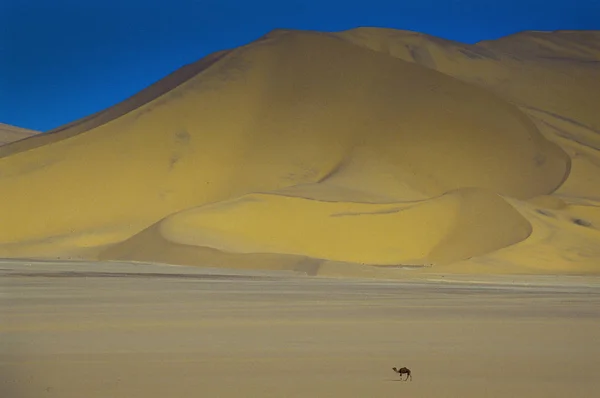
point(440, 230)
point(251, 155)
point(554, 78)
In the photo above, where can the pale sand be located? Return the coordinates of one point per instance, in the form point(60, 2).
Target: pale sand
point(135, 330)
point(9, 134)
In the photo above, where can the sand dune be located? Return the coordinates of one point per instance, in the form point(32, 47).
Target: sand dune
point(377, 232)
point(10, 133)
point(148, 94)
point(331, 153)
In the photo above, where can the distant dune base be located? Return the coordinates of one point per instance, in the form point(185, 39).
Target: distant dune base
point(362, 152)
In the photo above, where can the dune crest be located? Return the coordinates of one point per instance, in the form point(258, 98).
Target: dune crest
point(370, 146)
point(10, 134)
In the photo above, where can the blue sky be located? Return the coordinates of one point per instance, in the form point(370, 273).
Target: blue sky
point(64, 59)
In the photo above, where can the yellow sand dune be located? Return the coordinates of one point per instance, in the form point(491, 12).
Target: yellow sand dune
point(448, 228)
point(92, 121)
point(369, 146)
point(10, 133)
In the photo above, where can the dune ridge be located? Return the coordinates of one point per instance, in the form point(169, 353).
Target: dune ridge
point(442, 230)
point(329, 154)
point(10, 134)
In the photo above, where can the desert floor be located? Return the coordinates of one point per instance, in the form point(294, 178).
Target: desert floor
point(136, 330)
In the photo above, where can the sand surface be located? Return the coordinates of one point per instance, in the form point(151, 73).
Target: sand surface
point(133, 330)
point(331, 154)
point(9, 134)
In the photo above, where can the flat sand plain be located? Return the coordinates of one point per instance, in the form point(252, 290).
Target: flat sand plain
point(139, 330)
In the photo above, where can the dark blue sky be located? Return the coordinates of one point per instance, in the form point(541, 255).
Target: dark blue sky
point(64, 59)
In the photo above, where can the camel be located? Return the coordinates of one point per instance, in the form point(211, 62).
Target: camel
point(403, 371)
